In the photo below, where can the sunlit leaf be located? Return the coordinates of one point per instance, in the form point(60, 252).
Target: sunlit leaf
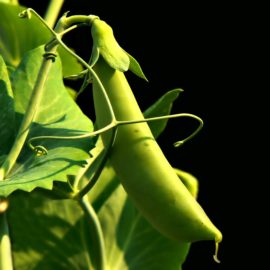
point(17, 36)
point(131, 242)
point(162, 106)
point(57, 115)
point(135, 67)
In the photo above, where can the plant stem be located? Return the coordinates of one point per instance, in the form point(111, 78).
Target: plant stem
point(5, 246)
point(93, 218)
point(29, 115)
point(31, 110)
point(93, 178)
point(52, 11)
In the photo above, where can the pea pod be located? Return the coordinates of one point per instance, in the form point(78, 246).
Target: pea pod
point(140, 164)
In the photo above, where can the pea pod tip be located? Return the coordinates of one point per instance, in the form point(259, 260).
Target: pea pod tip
point(215, 256)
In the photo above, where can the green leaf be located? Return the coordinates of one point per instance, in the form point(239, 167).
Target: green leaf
point(135, 67)
point(57, 115)
point(7, 114)
point(70, 64)
point(190, 181)
point(14, 2)
point(47, 234)
point(57, 237)
point(131, 243)
point(17, 36)
point(71, 92)
point(162, 106)
point(53, 234)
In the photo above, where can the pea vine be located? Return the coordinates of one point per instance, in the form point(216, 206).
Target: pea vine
point(83, 179)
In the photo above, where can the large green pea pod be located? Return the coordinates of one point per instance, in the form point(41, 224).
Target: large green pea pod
point(140, 164)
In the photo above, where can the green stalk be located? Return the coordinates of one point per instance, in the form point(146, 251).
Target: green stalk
point(93, 218)
point(28, 116)
point(5, 246)
point(52, 11)
point(33, 104)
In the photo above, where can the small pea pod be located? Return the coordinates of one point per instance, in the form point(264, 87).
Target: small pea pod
point(139, 162)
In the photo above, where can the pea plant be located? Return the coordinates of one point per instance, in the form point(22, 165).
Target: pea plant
point(78, 194)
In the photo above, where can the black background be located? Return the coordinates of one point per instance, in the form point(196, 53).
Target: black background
point(196, 47)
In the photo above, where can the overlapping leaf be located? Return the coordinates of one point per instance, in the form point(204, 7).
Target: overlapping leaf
point(131, 242)
point(58, 115)
point(46, 234)
point(17, 36)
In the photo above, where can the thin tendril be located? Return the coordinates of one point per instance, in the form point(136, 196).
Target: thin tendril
point(76, 20)
point(178, 143)
point(68, 29)
point(76, 76)
point(27, 14)
point(93, 73)
point(38, 149)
